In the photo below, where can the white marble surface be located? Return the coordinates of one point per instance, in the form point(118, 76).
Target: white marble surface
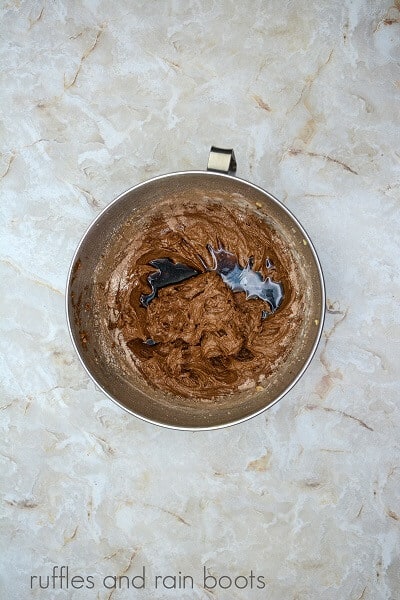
point(99, 95)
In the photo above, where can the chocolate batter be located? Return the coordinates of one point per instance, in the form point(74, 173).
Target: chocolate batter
point(197, 338)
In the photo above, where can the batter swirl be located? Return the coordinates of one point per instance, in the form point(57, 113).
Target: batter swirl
point(209, 341)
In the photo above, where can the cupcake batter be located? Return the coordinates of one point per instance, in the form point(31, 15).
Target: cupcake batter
point(198, 338)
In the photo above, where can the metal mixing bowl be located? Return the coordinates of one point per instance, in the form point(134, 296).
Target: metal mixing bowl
point(129, 390)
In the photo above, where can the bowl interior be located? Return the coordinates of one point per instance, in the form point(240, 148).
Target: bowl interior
point(95, 347)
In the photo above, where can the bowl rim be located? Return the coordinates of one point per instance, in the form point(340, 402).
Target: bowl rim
point(258, 188)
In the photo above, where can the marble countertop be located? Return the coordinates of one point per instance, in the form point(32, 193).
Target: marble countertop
point(301, 502)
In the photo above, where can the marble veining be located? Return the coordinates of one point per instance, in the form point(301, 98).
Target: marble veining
point(100, 95)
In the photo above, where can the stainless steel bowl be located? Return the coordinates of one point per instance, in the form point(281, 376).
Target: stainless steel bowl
point(129, 390)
